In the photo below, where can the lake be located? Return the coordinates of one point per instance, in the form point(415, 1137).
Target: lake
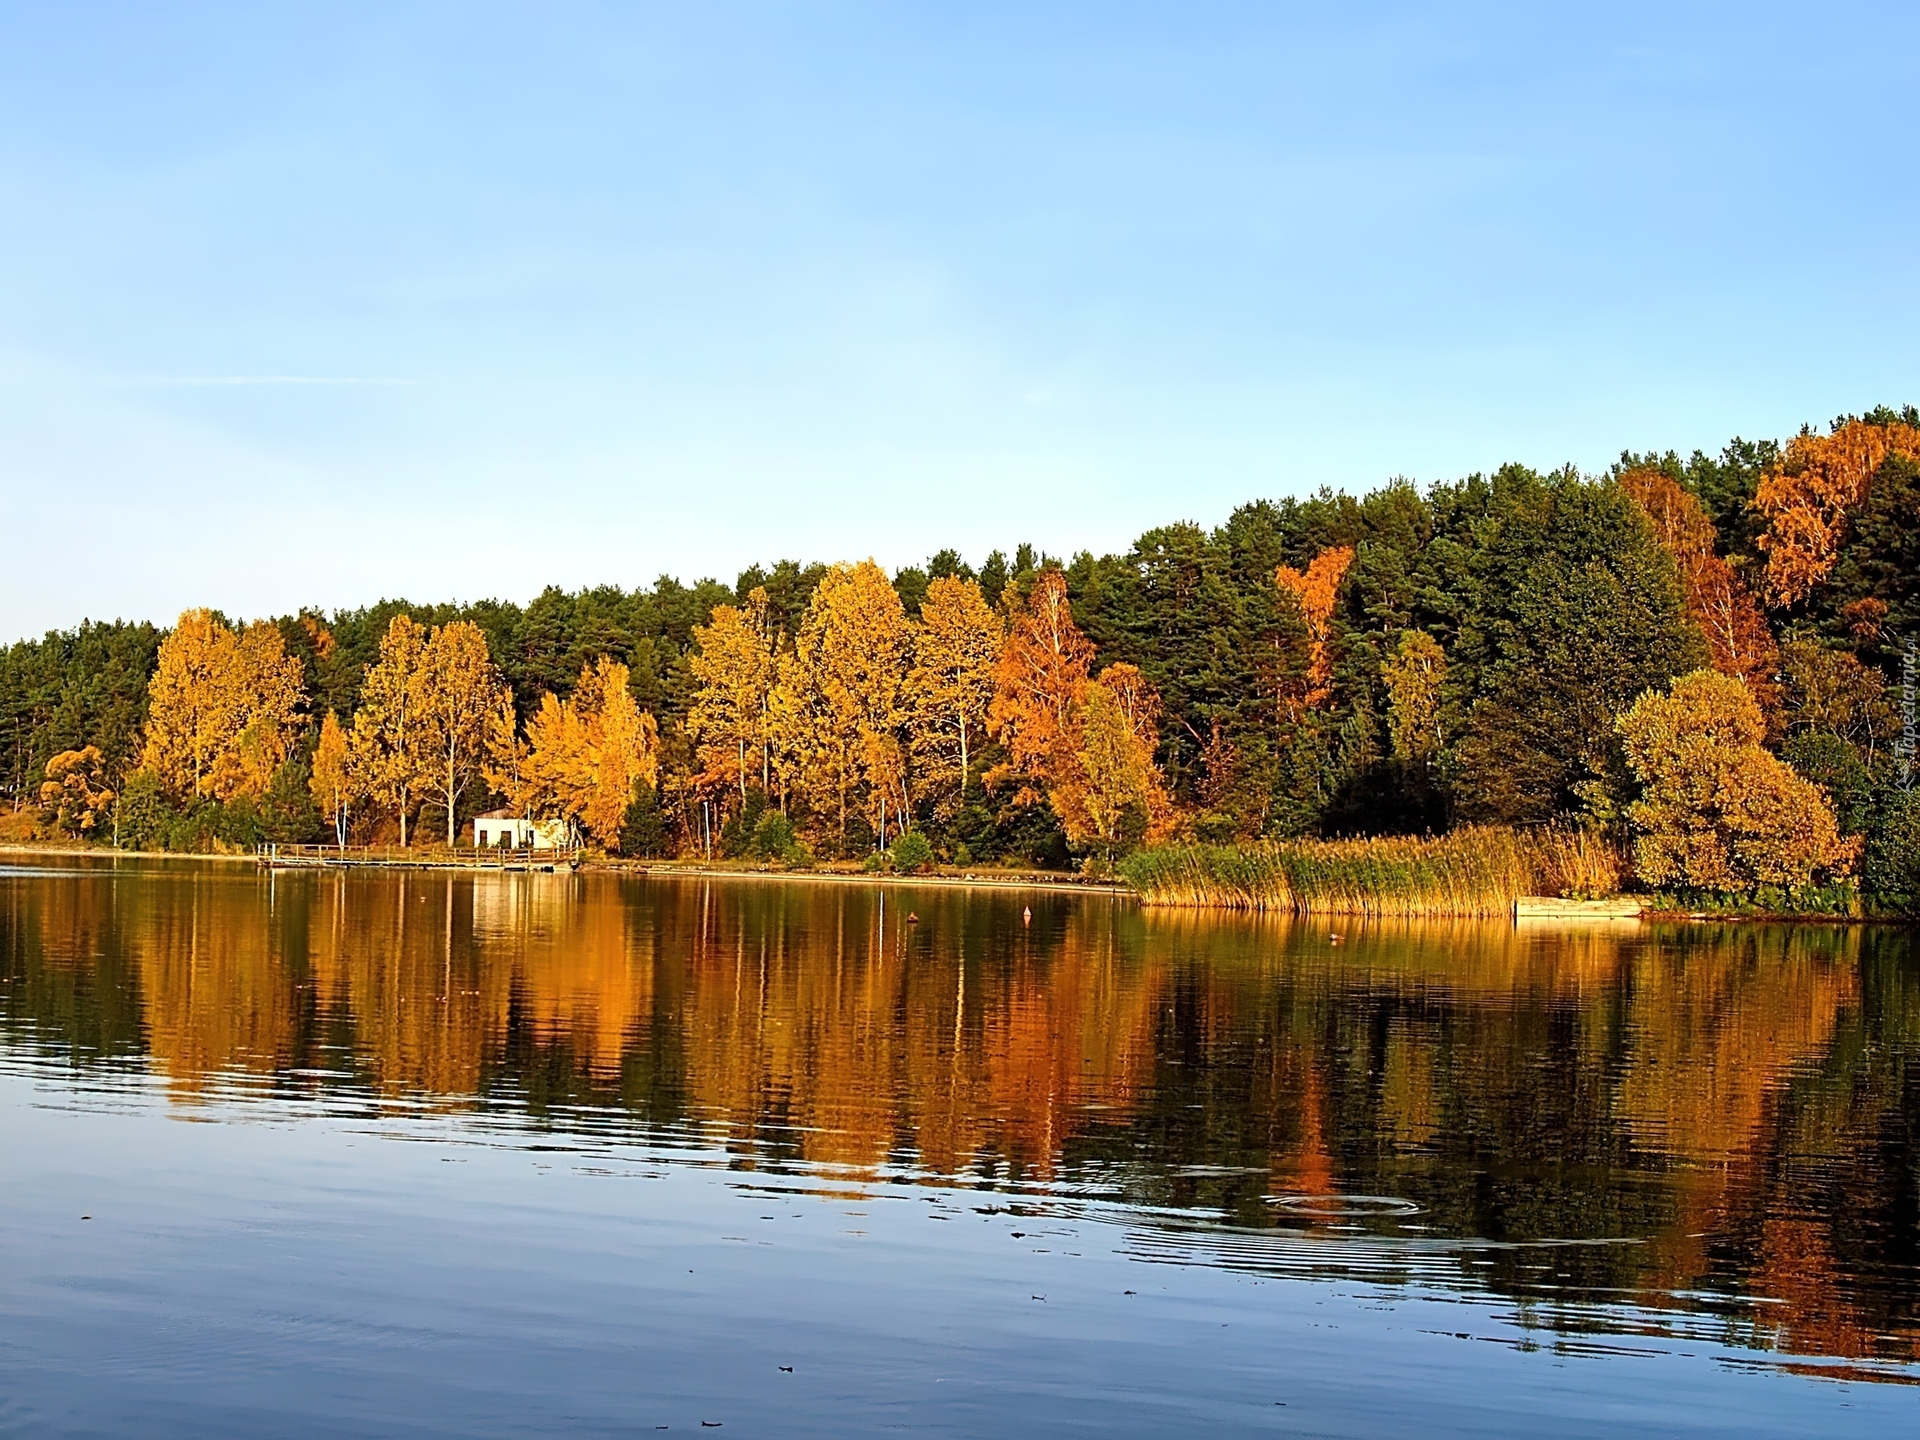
point(436, 1154)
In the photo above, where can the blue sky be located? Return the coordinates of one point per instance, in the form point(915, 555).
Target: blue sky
point(311, 305)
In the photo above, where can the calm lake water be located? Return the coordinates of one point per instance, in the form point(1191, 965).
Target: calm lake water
point(417, 1154)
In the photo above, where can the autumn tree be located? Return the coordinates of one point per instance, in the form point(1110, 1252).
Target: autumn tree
point(1414, 676)
point(733, 662)
point(223, 708)
point(625, 743)
point(951, 684)
point(1040, 683)
point(838, 711)
point(333, 783)
point(1828, 690)
point(1112, 795)
point(1806, 496)
point(76, 791)
point(586, 754)
point(1717, 600)
point(1315, 591)
point(1717, 811)
point(460, 693)
point(391, 742)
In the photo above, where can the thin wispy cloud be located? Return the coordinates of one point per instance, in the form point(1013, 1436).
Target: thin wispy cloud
point(167, 381)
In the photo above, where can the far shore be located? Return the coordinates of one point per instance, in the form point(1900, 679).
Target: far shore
point(614, 865)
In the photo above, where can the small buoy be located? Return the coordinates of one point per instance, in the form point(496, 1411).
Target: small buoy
point(1026, 916)
point(912, 919)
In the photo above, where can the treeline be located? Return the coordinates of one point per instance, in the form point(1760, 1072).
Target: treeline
point(1402, 662)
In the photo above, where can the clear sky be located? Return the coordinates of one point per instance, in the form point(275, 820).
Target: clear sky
point(315, 304)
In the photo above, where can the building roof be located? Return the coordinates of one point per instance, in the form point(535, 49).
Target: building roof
point(503, 813)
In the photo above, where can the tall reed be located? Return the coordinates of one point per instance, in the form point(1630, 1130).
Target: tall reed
point(1476, 871)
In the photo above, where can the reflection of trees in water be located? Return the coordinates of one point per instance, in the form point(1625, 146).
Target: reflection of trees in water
point(1742, 1098)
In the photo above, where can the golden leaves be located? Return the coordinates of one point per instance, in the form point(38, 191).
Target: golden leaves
point(1717, 812)
point(222, 708)
point(1805, 498)
point(1315, 591)
point(1717, 600)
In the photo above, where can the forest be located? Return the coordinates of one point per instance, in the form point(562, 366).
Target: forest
point(1707, 662)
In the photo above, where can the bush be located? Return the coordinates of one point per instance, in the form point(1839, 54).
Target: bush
point(643, 829)
point(1891, 873)
point(145, 816)
point(736, 836)
point(912, 853)
point(877, 862)
point(773, 837)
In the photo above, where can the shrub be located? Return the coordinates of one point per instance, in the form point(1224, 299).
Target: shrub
point(773, 837)
point(737, 835)
point(145, 816)
point(912, 853)
point(643, 829)
point(1891, 874)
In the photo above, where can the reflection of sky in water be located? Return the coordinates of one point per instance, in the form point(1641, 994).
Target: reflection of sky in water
point(1638, 1165)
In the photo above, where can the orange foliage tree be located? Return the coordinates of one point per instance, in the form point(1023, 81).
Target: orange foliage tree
point(1717, 811)
point(1717, 600)
point(223, 708)
point(1315, 590)
point(1806, 495)
point(1039, 686)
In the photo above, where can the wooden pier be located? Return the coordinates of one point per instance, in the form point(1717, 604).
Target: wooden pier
point(394, 857)
point(1548, 907)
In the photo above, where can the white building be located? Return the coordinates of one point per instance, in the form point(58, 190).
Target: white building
point(503, 829)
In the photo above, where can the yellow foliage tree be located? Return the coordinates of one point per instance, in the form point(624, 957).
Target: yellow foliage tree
point(733, 661)
point(390, 740)
point(333, 784)
point(1113, 794)
point(76, 790)
point(838, 712)
point(1414, 675)
point(460, 693)
point(1717, 811)
point(1806, 496)
point(1315, 591)
point(223, 709)
point(956, 648)
point(585, 754)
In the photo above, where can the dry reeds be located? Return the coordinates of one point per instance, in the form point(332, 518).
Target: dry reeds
point(1478, 871)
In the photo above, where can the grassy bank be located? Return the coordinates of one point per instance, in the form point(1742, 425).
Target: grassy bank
point(1478, 871)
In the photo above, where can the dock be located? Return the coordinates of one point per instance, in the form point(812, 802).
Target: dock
point(1549, 907)
point(395, 857)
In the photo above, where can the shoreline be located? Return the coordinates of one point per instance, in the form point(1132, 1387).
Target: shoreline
point(688, 869)
point(969, 880)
